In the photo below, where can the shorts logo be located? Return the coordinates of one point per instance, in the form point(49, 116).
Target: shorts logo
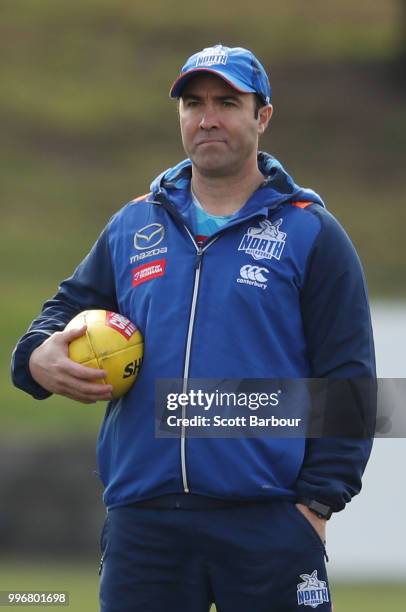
point(149, 236)
point(312, 591)
point(120, 324)
point(264, 242)
point(212, 56)
point(253, 275)
point(148, 271)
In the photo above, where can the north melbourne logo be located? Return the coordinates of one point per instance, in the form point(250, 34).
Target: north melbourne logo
point(312, 591)
point(264, 242)
point(253, 275)
point(212, 56)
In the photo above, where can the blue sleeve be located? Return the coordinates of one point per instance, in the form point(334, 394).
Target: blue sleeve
point(339, 339)
point(91, 286)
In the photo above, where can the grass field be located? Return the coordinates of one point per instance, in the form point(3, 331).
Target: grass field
point(82, 583)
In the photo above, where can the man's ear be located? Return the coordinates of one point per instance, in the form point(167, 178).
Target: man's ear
point(264, 117)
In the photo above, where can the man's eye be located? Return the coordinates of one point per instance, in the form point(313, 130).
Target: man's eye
point(228, 103)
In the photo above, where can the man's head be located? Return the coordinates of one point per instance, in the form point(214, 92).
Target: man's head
point(224, 106)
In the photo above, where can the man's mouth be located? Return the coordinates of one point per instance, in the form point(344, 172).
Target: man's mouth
point(211, 141)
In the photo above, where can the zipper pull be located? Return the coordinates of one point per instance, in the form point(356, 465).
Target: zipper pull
point(198, 259)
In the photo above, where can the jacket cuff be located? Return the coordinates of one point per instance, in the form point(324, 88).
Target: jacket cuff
point(329, 498)
point(20, 372)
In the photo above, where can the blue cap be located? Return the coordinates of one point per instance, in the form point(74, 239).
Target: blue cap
point(237, 66)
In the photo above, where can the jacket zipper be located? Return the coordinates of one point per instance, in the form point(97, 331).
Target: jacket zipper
point(199, 255)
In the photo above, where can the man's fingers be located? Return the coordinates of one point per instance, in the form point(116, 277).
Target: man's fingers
point(81, 398)
point(51, 367)
point(84, 399)
point(71, 334)
point(83, 372)
point(85, 391)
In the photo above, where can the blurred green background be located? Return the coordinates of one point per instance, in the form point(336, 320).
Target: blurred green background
point(86, 123)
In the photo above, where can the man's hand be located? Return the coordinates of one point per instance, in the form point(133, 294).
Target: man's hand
point(319, 524)
point(51, 368)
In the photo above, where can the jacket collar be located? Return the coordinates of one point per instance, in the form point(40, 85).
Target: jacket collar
point(278, 187)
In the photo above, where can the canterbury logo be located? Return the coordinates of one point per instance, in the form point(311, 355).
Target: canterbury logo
point(254, 273)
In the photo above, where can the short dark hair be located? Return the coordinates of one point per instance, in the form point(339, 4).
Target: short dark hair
point(259, 103)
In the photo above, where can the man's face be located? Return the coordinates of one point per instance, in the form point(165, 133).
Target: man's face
point(218, 125)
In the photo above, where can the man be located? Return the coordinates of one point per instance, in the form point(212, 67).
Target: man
point(256, 280)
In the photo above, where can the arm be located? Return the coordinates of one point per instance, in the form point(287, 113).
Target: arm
point(338, 332)
point(40, 365)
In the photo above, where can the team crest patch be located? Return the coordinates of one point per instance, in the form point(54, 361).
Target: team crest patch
point(264, 242)
point(312, 591)
point(212, 56)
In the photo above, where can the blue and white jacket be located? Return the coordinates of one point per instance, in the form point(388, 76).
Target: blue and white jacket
point(310, 318)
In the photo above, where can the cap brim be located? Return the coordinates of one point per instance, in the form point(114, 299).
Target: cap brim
point(181, 81)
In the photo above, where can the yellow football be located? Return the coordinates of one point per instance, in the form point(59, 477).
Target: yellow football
point(111, 343)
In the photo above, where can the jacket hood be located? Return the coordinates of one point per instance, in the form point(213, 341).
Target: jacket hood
point(278, 187)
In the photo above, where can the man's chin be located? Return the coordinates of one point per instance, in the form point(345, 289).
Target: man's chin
point(213, 168)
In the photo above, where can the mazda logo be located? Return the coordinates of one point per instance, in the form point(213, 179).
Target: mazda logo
point(149, 236)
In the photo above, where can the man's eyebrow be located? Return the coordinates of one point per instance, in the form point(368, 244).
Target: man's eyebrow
point(190, 96)
point(230, 96)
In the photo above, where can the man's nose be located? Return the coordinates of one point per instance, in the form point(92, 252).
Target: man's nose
point(209, 119)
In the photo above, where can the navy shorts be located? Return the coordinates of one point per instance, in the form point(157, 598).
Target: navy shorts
point(259, 557)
